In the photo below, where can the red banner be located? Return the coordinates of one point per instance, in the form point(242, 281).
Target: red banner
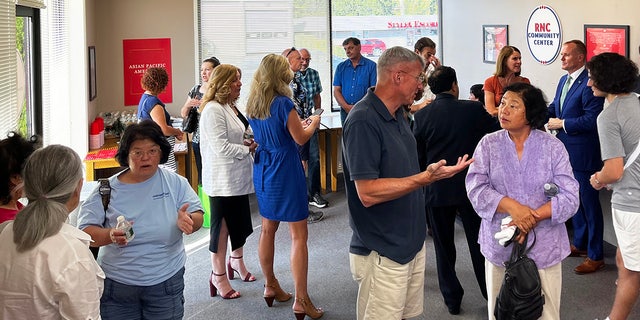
point(138, 55)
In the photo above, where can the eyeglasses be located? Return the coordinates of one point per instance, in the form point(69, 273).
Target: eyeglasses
point(138, 154)
point(290, 50)
point(306, 59)
point(420, 78)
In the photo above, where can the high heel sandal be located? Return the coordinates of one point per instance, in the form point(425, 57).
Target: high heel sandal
point(309, 309)
point(232, 294)
point(232, 272)
point(279, 294)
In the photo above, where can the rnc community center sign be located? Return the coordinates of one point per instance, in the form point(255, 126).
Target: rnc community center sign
point(544, 35)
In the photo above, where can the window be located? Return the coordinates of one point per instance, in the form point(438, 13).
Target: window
point(241, 32)
point(29, 106)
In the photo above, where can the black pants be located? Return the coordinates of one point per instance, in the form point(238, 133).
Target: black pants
point(443, 225)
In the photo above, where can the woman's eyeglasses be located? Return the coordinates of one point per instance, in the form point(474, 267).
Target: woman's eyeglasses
point(138, 154)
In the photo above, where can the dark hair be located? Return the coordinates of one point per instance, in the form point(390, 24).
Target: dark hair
point(503, 57)
point(146, 129)
point(534, 102)
point(612, 73)
point(442, 79)
point(155, 80)
point(213, 60)
point(14, 151)
point(355, 41)
point(422, 43)
point(478, 91)
point(580, 47)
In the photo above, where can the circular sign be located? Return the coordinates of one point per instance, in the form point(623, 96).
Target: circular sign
point(544, 35)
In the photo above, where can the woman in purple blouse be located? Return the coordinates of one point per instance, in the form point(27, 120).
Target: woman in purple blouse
point(507, 178)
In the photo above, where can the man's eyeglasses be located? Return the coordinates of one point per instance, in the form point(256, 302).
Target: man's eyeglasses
point(306, 59)
point(420, 78)
point(138, 154)
point(289, 52)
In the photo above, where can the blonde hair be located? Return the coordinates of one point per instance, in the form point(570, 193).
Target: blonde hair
point(220, 85)
point(270, 80)
point(51, 176)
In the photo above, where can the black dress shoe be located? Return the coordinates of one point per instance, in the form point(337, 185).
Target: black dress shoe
point(454, 310)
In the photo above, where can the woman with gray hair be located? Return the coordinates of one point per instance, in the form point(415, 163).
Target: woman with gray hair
point(47, 269)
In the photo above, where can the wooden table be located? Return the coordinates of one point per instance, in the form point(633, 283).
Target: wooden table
point(109, 163)
point(329, 141)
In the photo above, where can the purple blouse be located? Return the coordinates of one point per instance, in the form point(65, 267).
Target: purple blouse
point(497, 173)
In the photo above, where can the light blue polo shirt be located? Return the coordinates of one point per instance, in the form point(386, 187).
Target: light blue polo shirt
point(157, 252)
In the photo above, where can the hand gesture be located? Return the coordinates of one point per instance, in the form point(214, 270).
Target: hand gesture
point(523, 217)
point(185, 223)
point(438, 171)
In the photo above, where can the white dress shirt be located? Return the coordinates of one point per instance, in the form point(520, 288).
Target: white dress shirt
point(58, 279)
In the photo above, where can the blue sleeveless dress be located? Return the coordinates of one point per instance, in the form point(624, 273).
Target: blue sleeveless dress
point(278, 177)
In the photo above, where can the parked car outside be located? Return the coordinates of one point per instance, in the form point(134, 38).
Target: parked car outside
point(372, 47)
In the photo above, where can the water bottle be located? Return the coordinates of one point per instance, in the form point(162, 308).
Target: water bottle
point(550, 189)
point(125, 226)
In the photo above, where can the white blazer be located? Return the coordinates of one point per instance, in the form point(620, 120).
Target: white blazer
point(227, 164)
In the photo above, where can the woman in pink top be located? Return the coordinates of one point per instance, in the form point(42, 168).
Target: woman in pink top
point(14, 151)
point(508, 67)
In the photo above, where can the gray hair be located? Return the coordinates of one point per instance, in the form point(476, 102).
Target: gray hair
point(51, 176)
point(396, 55)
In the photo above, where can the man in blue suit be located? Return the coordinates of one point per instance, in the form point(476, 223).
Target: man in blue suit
point(573, 114)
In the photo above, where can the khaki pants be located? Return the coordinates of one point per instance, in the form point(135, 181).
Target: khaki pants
point(388, 290)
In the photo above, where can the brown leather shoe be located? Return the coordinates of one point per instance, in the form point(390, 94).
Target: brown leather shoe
point(575, 252)
point(589, 266)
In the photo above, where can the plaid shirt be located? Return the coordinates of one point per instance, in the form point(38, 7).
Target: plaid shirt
point(310, 79)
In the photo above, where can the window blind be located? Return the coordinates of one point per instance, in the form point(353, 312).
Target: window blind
point(8, 81)
point(39, 4)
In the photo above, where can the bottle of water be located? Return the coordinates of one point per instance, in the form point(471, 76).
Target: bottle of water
point(550, 189)
point(125, 226)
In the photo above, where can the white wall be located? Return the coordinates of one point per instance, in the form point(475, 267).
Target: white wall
point(462, 22)
point(116, 20)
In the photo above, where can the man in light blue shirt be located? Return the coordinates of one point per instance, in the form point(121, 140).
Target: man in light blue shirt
point(353, 77)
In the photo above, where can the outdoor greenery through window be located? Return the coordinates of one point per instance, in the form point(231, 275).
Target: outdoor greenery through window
point(242, 32)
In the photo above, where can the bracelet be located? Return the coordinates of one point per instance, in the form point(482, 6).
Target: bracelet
point(595, 178)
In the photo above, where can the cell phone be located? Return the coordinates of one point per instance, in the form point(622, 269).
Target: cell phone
point(317, 112)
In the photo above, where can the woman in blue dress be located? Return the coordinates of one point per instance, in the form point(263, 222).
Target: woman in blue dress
point(278, 177)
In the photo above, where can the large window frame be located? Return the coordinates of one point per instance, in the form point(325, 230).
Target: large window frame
point(32, 46)
point(300, 23)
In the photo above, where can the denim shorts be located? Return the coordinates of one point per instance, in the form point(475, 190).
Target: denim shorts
point(164, 300)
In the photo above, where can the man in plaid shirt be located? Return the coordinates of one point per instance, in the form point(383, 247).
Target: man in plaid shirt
point(310, 80)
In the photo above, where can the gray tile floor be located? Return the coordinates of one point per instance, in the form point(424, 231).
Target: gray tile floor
point(331, 285)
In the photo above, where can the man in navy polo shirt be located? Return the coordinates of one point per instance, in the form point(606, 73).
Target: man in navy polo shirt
point(384, 192)
point(353, 77)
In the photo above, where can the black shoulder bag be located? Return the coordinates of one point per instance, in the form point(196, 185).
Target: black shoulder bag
point(190, 123)
point(520, 296)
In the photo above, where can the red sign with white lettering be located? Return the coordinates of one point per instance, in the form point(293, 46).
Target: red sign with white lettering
point(140, 54)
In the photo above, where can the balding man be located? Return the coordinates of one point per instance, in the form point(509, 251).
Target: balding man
point(384, 192)
point(573, 115)
point(304, 111)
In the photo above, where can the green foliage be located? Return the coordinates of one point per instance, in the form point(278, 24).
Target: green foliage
point(20, 35)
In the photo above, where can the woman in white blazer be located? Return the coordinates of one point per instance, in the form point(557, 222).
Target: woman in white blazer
point(227, 177)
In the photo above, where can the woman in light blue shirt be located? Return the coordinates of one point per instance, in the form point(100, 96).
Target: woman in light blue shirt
point(144, 277)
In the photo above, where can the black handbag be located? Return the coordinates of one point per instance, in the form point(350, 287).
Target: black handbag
point(520, 296)
point(190, 123)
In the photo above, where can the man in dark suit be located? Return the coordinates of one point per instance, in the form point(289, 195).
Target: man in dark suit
point(445, 129)
point(573, 114)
